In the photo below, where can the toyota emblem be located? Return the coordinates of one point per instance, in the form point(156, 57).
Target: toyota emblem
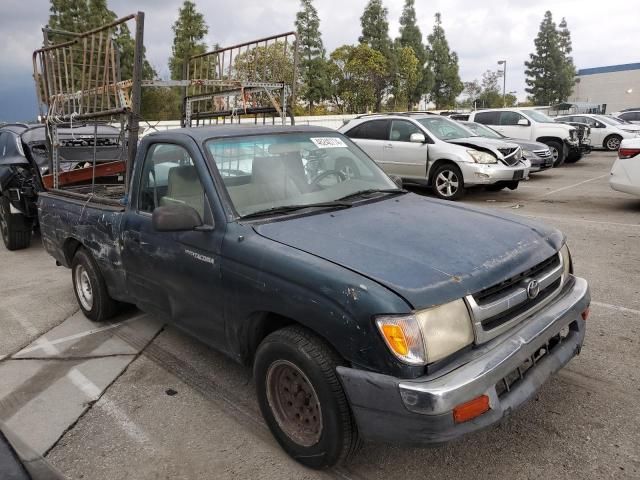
point(533, 289)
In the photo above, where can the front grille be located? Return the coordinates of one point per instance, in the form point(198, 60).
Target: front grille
point(543, 153)
point(501, 289)
point(510, 155)
point(504, 305)
point(513, 378)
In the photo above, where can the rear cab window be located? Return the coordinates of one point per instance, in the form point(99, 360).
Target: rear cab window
point(486, 118)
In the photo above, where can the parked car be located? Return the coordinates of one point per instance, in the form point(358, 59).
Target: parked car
point(625, 173)
point(632, 116)
point(532, 125)
point(24, 157)
point(537, 153)
point(435, 151)
point(605, 133)
point(624, 124)
point(367, 312)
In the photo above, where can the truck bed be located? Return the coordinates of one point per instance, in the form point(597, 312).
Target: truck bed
point(68, 219)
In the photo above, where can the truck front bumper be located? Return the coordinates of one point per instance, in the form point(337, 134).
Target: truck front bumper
point(488, 174)
point(420, 411)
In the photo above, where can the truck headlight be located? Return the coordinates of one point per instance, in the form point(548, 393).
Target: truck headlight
point(482, 157)
point(429, 335)
point(567, 267)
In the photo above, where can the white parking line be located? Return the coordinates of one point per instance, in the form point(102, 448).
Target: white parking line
point(616, 307)
point(572, 186)
point(43, 343)
point(572, 219)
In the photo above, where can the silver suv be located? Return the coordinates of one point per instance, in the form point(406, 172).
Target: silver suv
point(433, 150)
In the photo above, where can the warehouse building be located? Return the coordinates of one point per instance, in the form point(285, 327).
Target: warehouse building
point(616, 86)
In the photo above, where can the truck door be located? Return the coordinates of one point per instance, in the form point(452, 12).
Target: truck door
point(175, 274)
point(405, 158)
point(514, 125)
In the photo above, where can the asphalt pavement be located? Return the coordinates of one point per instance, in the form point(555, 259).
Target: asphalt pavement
point(136, 399)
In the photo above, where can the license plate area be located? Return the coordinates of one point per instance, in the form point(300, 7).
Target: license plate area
point(518, 174)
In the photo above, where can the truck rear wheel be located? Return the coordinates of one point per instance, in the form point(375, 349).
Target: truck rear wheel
point(302, 399)
point(15, 227)
point(90, 288)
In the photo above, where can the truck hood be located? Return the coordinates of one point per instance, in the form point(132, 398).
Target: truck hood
point(427, 251)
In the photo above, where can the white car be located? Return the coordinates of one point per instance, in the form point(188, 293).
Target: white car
point(625, 125)
point(531, 125)
point(632, 116)
point(435, 151)
point(605, 132)
point(625, 173)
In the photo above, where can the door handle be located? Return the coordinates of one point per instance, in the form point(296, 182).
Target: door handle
point(135, 237)
point(388, 145)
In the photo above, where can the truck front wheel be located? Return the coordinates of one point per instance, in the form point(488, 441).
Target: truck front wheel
point(90, 288)
point(302, 399)
point(15, 227)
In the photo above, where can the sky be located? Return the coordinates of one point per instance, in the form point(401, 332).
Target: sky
point(480, 31)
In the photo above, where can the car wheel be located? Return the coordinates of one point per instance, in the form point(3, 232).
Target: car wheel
point(612, 142)
point(90, 288)
point(447, 182)
point(15, 227)
point(302, 399)
point(557, 152)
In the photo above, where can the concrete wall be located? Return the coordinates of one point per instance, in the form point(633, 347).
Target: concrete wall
point(610, 88)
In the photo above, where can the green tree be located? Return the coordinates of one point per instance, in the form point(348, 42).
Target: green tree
point(375, 34)
point(407, 77)
point(472, 91)
point(356, 73)
point(312, 63)
point(550, 71)
point(411, 36)
point(189, 30)
point(443, 65)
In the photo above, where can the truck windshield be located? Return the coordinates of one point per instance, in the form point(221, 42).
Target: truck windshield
point(445, 129)
point(264, 172)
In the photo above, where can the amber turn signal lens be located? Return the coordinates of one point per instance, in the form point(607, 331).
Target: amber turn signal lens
point(472, 409)
point(586, 313)
point(396, 339)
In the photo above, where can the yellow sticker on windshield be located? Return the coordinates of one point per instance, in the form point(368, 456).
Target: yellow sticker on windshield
point(328, 142)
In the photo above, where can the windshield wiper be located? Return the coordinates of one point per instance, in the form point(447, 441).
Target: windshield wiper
point(369, 191)
point(293, 208)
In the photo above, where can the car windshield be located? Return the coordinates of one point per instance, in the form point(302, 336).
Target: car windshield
point(483, 130)
point(445, 129)
point(618, 120)
point(539, 117)
point(280, 172)
point(607, 120)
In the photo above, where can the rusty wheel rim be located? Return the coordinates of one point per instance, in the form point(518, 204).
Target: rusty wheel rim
point(294, 403)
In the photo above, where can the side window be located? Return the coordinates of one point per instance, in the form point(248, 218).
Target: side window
point(401, 130)
point(371, 130)
point(487, 118)
point(630, 116)
point(510, 118)
point(589, 121)
point(169, 177)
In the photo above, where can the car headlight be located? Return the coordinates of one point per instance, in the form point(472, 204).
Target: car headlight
point(567, 267)
point(482, 157)
point(528, 154)
point(429, 335)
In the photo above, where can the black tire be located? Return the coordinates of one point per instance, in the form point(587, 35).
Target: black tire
point(102, 306)
point(612, 143)
point(15, 227)
point(444, 177)
point(334, 439)
point(573, 157)
point(557, 151)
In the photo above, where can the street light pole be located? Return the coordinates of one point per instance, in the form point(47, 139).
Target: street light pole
point(504, 81)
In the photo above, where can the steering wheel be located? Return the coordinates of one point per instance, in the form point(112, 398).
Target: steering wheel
point(341, 177)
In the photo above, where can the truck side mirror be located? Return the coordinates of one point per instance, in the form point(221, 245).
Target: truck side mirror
point(417, 138)
point(175, 218)
point(524, 122)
